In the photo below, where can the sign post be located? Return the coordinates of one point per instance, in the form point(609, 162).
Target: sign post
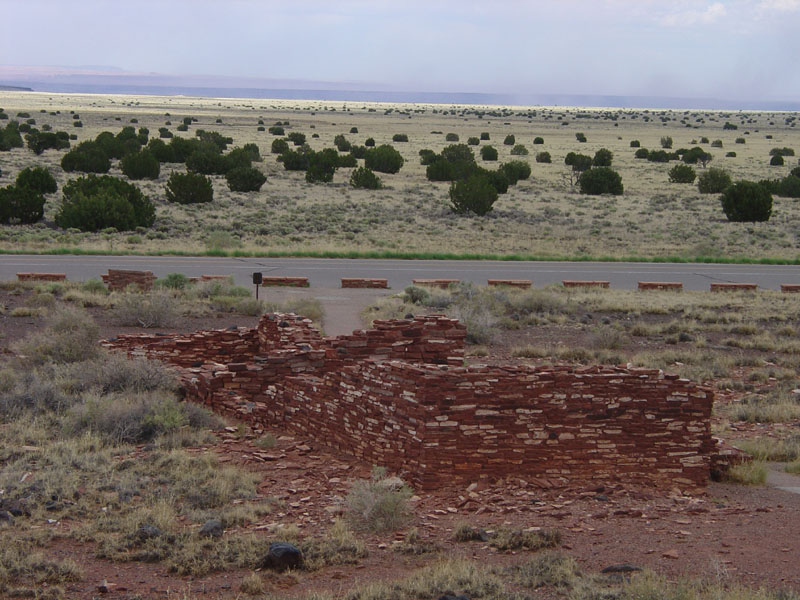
point(257, 279)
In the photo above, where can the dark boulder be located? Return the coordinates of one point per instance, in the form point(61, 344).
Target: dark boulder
point(282, 556)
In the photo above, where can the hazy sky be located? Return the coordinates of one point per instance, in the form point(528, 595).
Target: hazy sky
point(731, 49)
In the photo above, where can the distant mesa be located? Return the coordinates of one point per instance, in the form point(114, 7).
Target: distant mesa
point(14, 88)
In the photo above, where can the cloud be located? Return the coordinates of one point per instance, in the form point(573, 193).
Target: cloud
point(710, 15)
point(767, 7)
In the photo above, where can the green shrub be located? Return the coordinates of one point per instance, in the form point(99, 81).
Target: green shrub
point(384, 159)
point(602, 158)
point(489, 153)
point(789, 187)
point(10, 137)
point(601, 180)
point(277, 130)
point(346, 161)
point(473, 141)
point(94, 203)
point(642, 153)
point(400, 137)
point(354, 130)
point(341, 143)
point(782, 152)
point(140, 165)
point(515, 170)
point(321, 166)
point(659, 156)
point(746, 201)
point(510, 140)
point(87, 157)
point(156, 309)
point(173, 281)
point(39, 141)
point(295, 161)
point(485, 135)
point(716, 144)
point(451, 137)
point(543, 157)
point(519, 150)
point(207, 161)
point(580, 137)
point(538, 140)
point(245, 179)
point(682, 174)
point(776, 161)
point(189, 188)
point(37, 179)
point(163, 153)
point(183, 147)
point(795, 172)
point(730, 154)
point(369, 142)
point(297, 138)
point(740, 140)
point(365, 178)
point(666, 142)
point(20, 205)
point(71, 335)
point(635, 144)
point(279, 146)
point(165, 133)
point(476, 194)
point(251, 151)
point(578, 162)
point(358, 151)
point(713, 181)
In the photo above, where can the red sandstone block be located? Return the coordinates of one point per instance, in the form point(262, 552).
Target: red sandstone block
point(790, 287)
point(41, 276)
point(578, 283)
point(285, 281)
point(517, 283)
point(727, 287)
point(660, 285)
point(364, 282)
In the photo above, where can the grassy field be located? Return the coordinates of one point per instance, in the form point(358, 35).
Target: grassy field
point(543, 216)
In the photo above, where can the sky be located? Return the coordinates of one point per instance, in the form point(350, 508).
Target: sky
point(728, 49)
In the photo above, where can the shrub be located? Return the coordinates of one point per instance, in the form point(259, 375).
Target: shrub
point(378, 504)
point(510, 140)
point(666, 142)
point(473, 141)
point(245, 179)
point(251, 151)
point(10, 137)
point(776, 161)
point(37, 179)
point(578, 162)
point(165, 133)
point(740, 140)
point(277, 130)
point(498, 179)
point(189, 188)
point(400, 137)
point(601, 180)
point(682, 174)
point(322, 166)
point(140, 165)
point(789, 187)
point(746, 201)
point(156, 309)
point(580, 137)
point(93, 203)
point(384, 159)
point(730, 126)
point(346, 161)
point(297, 138)
point(20, 205)
point(489, 153)
point(642, 153)
point(354, 130)
point(602, 158)
point(238, 158)
point(341, 143)
point(475, 194)
point(782, 152)
point(294, 161)
point(451, 137)
point(358, 151)
point(730, 154)
point(279, 146)
point(369, 142)
point(716, 144)
point(515, 170)
point(770, 185)
point(365, 178)
point(659, 156)
point(173, 281)
point(183, 147)
point(70, 336)
point(635, 144)
point(519, 150)
point(87, 157)
point(697, 155)
point(207, 161)
point(543, 157)
point(713, 181)
point(538, 140)
point(38, 141)
point(485, 135)
point(162, 152)
point(795, 172)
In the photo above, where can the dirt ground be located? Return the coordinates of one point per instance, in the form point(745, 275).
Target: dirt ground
point(734, 532)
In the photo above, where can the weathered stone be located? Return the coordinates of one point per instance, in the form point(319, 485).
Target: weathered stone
point(212, 528)
point(282, 556)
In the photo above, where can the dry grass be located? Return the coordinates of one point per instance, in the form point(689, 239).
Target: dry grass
point(542, 216)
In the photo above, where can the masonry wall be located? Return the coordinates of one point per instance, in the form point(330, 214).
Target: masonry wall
point(444, 424)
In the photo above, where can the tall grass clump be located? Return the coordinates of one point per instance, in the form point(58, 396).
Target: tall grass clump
point(379, 503)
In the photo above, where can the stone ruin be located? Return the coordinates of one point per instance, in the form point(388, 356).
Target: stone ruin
point(400, 396)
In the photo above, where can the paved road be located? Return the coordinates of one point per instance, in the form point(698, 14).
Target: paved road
point(325, 273)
